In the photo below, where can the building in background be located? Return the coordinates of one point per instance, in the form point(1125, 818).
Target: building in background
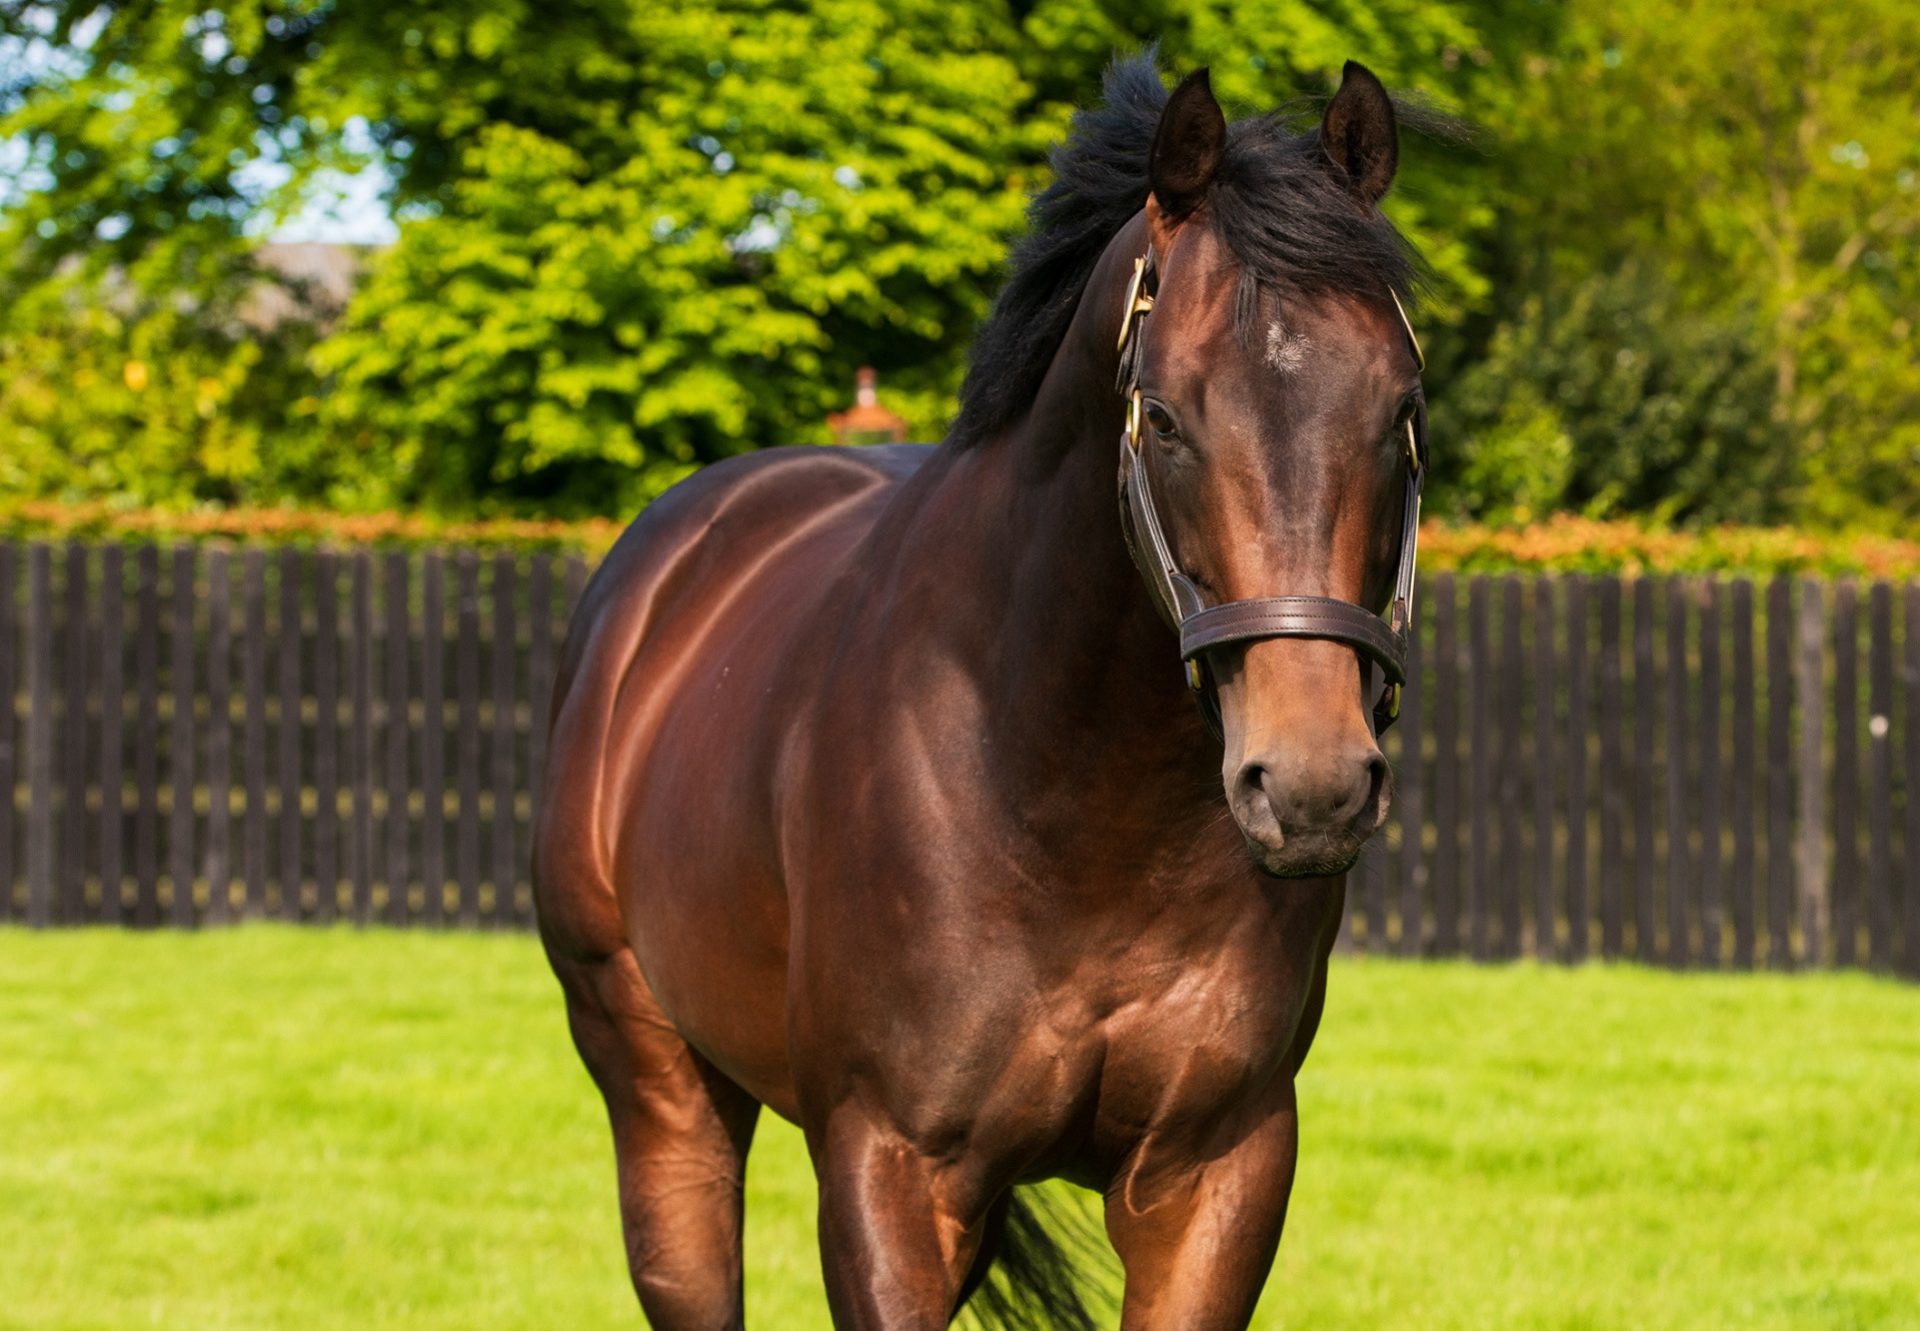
point(867, 422)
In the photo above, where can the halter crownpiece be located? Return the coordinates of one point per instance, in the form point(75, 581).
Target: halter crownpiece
point(1381, 641)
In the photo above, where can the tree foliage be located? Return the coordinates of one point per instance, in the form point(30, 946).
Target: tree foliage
point(1734, 193)
point(1670, 272)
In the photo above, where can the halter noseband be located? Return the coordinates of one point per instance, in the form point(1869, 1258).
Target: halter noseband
point(1381, 641)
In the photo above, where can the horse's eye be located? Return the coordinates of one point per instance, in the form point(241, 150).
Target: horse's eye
point(1161, 423)
point(1408, 405)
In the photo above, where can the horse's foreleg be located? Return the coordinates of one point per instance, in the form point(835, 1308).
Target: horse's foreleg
point(680, 1137)
point(1196, 1225)
point(899, 1231)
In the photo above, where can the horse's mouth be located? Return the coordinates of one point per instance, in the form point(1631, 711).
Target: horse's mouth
point(1310, 852)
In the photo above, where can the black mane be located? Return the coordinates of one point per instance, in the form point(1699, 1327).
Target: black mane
point(1275, 201)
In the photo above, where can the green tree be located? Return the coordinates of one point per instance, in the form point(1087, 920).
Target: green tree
point(694, 260)
point(1613, 400)
point(1757, 169)
point(634, 237)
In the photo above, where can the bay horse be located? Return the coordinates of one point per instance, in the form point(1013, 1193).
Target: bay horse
point(878, 796)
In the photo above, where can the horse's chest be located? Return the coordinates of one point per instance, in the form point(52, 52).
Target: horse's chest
point(1168, 1047)
point(1201, 1042)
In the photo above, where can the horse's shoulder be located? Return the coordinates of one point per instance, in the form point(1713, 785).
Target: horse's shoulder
point(770, 487)
point(719, 524)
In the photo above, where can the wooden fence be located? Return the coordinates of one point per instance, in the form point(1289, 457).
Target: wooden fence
point(1686, 771)
point(197, 735)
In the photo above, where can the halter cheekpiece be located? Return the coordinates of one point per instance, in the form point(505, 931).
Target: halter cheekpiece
point(1381, 640)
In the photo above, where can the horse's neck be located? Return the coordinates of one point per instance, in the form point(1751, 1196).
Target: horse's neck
point(1087, 673)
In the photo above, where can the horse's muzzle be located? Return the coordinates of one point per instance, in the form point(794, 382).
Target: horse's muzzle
point(1306, 816)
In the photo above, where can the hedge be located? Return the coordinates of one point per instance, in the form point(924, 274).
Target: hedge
point(1559, 544)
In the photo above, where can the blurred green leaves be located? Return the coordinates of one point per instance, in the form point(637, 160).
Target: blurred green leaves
point(1711, 265)
point(1674, 269)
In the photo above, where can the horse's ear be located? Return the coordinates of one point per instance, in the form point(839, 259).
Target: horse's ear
point(1360, 136)
point(1186, 147)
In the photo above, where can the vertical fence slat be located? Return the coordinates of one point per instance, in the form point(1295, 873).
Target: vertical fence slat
point(1680, 881)
point(1375, 873)
point(466, 671)
point(10, 640)
point(1545, 757)
point(433, 732)
point(1446, 769)
point(111, 659)
point(1780, 840)
point(397, 716)
point(326, 734)
point(71, 907)
point(291, 630)
point(146, 739)
point(1712, 904)
point(253, 682)
point(1578, 755)
point(1613, 779)
point(540, 673)
point(217, 864)
point(1480, 744)
point(1844, 891)
point(1879, 883)
point(1744, 884)
point(1512, 677)
point(505, 872)
point(360, 738)
point(1910, 719)
point(1645, 705)
point(40, 827)
point(1815, 902)
point(1409, 802)
point(180, 773)
point(540, 642)
point(576, 585)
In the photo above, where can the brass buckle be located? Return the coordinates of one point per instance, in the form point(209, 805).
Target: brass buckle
point(1139, 301)
point(1133, 420)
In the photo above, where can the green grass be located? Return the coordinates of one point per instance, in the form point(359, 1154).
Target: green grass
point(274, 1128)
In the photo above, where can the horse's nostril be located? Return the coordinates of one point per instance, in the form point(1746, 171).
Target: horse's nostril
point(1376, 778)
point(1330, 793)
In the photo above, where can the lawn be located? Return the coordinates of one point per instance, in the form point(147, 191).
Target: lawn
point(277, 1128)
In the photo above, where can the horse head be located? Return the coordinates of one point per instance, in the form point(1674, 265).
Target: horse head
point(1271, 465)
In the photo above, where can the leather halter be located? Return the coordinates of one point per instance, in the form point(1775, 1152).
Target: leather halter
point(1381, 641)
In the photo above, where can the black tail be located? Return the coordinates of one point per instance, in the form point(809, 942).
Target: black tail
point(1050, 1262)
